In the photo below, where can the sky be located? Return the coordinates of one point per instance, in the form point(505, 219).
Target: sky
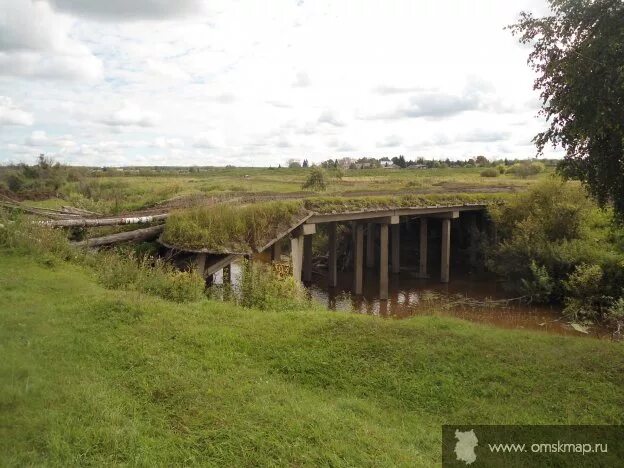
point(253, 83)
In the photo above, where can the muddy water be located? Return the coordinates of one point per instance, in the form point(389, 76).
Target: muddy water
point(410, 296)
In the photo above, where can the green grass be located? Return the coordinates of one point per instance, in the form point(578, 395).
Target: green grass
point(114, 192)
point(91, 377)
point(227, 228)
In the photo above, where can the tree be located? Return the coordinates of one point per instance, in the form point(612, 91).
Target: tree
point(305, 163)
point(400, 161)
point(316, 180)
point(482, 161)
point(578, 52)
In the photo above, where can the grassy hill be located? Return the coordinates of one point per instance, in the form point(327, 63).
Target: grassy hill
point(91, 376)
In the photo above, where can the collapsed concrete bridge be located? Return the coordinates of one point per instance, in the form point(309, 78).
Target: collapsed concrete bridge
point(376, 240)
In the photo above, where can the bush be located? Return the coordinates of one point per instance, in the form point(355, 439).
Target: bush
point(26, 236)
point(316, 180)
point(490, 172)
point(584, 297)
point(148, 275)
point(261, 287)
point(526, 169)
point(557, 245)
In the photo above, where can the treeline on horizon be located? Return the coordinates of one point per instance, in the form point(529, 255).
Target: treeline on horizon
point(396, 162)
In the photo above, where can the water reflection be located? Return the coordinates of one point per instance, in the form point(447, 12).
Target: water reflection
point(410, 296)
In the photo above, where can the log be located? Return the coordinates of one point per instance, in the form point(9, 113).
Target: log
point(88, 222)
point(136, 235)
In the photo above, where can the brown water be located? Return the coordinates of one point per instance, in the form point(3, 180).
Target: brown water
point(411, 296)
point(475, 300)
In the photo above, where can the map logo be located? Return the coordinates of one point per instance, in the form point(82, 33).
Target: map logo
point(465, 447)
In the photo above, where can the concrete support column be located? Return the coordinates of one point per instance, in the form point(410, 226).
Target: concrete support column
point(370, 245)
point(358, 261)
point(422, 269)
point(200, 264)
point(396, 236)
point(332, 256)
point(383, 262)
point(307, 258)
point(276, 251)
point(446, 250)
point(296, 255)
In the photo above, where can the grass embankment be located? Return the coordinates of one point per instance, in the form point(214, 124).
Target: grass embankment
point(228, 227)
point(90, 377)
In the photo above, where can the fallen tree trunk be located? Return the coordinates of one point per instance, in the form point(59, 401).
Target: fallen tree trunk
point(87, 222)
point(136, 235)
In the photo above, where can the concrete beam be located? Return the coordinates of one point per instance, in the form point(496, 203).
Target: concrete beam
point(395, 243)
point(383, 262)
point(307, 258)
point(309, 229)
point(393, 219)
point(374, 214)
point(422, 268)
point(358, 261)
point(370, 245)
point(332, 256)
point(446, 250)
point(446, 215)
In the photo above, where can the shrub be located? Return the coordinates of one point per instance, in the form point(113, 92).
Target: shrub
point(148, 275)
point(24, 235)
point(501, 169)
point(584, 294)
point(554, 242)
point(490, 172)
point(526, 169)
point(316, 180)
point(261, 287)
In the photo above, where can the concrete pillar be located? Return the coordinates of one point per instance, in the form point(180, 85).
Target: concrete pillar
point(446, 250)
point(276, 251)
point(396, 235)
point(332, 256)
point(296, 255)
point(383, 262)
point(358, 269)
point(422, 270)
point(227, 274)
point(307, 258)
point(473, 235)
point(200, 264)
point(370, 245)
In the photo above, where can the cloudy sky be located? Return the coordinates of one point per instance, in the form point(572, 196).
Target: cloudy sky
point(183, 82)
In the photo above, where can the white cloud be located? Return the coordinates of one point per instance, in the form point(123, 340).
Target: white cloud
point(10, 114)
point(121, 10)
point(391, 141)
point(131, 115)
point(220, 82)
point(37, 138)
point(35, 42)
point(329, 118)
point(302, 80)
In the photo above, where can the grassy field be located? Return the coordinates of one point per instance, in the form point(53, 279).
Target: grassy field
point(115, 192)
point(94, 377)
